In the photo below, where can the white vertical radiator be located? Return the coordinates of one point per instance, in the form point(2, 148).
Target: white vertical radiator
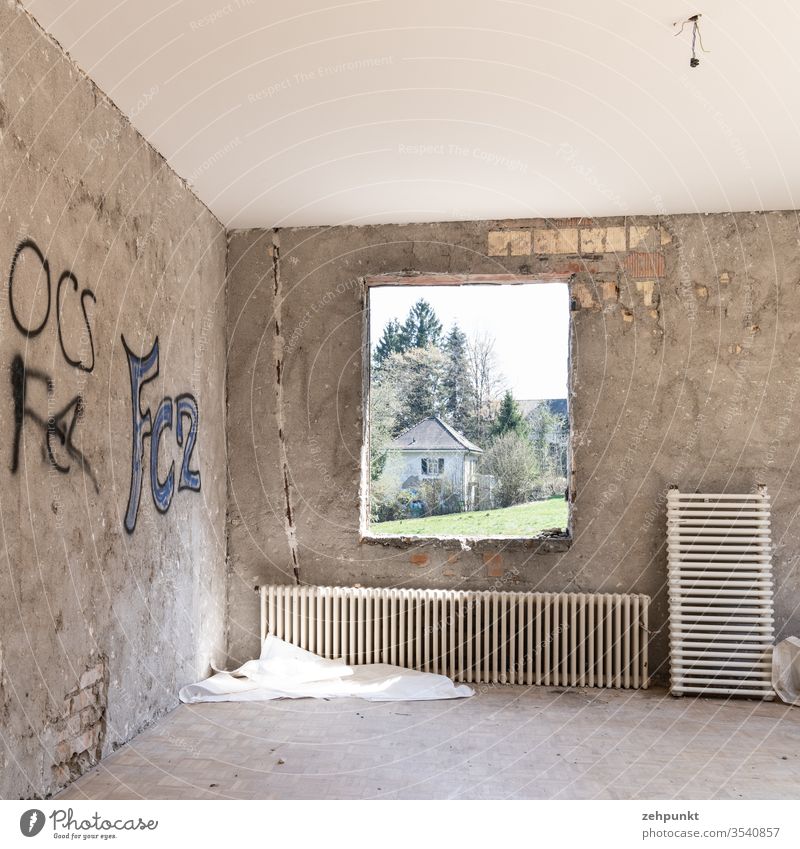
point(720, 593)
point(565, 639)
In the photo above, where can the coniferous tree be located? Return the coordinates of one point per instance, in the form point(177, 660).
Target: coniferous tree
point(417, 374)
point(455, 383)
point(389, 343)
point(509, 418)
point(421, 327)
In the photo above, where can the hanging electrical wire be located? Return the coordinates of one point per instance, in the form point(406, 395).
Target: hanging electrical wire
point(697, 37)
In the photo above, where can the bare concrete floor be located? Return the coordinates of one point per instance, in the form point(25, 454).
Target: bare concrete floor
point(505, 742)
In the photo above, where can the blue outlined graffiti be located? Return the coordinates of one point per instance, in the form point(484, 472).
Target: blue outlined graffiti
point(162, 492)
point(139, 368)
point(169, 415)
point(186, 407)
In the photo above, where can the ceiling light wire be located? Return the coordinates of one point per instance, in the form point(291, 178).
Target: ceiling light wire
point(697, 36)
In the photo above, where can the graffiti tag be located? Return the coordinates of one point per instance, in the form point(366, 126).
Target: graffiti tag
point(182, 415)
point(65, 277)
point(57, 429)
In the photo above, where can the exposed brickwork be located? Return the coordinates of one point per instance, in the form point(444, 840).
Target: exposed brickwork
point(568, 222)
point(609, 290)
point(596, 240)
point(494, 564)
point(583, 296)
point(646, 288)
point(83, 725)
point(551, 241)
point(579, 246)
point(647, 238)
point(419, 558)
point(509, 243)
point(645, 264)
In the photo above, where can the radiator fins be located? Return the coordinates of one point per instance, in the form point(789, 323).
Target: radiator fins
point(557, 639)
point(720, 593)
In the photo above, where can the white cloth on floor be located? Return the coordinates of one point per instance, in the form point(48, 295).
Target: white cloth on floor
point(786, 670)
point(285, 671)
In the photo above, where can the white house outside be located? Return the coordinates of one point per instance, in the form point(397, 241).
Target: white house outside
point(433, 458)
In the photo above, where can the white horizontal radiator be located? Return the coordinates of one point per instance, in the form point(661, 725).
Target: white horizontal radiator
point(565, 639)
point(720, 593)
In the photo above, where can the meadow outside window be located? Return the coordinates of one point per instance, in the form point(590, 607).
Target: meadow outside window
point(468, 428)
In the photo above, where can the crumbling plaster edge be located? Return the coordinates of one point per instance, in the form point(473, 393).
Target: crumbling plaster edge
point(539, 544)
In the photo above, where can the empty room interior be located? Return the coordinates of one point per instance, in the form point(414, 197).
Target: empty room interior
point(400, 401)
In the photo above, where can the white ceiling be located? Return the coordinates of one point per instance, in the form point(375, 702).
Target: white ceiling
point(312, 112)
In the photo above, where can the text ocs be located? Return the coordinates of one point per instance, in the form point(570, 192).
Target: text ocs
point(66, 278)
point(181, 415)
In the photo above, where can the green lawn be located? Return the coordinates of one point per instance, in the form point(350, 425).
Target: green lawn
point(522, 520)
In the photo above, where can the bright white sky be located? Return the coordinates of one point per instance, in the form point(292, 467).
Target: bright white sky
point(530, 324)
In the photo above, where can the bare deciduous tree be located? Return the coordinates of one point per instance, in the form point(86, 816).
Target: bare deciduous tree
point(486, 385)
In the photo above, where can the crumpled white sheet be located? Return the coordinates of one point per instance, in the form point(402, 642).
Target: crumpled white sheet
point(786, 670)
point(285, 671)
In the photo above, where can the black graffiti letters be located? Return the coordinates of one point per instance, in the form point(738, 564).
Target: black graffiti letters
point(30, 265)
point(168, 416)
point(35, 291)
point(29, 327)
point(58, 429)
point(85, 294)
point(28, 245)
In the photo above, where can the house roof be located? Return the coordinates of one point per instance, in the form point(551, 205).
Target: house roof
point(528, 405)
point(433, 434)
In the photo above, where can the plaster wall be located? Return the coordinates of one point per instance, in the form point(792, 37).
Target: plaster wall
point(684, 370)
point(99, 625)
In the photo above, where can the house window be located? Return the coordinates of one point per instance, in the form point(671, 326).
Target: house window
point(432, 466)
point(474, 374)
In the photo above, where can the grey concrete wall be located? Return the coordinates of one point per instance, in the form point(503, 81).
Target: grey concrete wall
point(98, 626)
point(684, 371)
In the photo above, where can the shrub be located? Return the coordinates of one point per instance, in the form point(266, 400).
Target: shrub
point(512, 463)
point(440, 497)
point(384, 509)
